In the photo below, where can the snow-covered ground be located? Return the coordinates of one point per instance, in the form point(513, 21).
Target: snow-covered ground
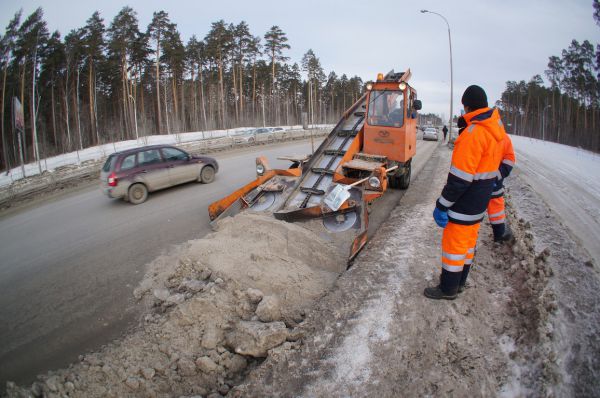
point(568, 179)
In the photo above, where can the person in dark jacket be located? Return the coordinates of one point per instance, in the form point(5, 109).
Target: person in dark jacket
point(445, 131)
point(465, 197)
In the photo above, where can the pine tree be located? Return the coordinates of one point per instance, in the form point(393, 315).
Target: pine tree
point(7, 45)
point(219, 45)
point(50, 78)
point(156, 31)
point(123, 33)
point(275, 43)
point(94, 44)
point(31, 39)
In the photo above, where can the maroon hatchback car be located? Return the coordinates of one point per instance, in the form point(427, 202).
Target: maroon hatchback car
point(131, 174)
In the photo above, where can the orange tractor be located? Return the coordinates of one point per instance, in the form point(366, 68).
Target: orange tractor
point(370, 149)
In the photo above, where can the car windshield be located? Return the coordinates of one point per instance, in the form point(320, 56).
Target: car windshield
point(431, 130)
point(386, 108)
point(110, 163)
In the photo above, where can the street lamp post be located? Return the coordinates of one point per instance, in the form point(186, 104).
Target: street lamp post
point(544, 122)
point(451, 73)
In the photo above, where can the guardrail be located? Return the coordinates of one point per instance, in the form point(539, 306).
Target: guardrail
point(70, 175)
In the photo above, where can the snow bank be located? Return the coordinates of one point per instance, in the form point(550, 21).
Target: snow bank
point(567, 161)
point(101, 151)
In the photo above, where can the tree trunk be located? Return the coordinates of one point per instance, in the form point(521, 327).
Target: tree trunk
point(23, 105)
point(167, 110)
point(222, 91)
point(158, 121)
point(33, 111)
point(175, 101)
point(237, 110)
point(67, 111)
point(242, 91)
point(78, 111)
point(195, 101)
point(93, 133)
point(254, 89)
point(203, 103)
point(4, 142)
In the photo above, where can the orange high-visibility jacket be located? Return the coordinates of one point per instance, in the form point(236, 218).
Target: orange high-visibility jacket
point(508, 162)
point(475, 159)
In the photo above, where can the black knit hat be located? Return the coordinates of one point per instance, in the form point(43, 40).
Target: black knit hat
point(475, 98)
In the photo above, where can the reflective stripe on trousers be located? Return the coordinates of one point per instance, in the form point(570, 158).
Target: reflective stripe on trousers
point(458, 246)
point(495, 210)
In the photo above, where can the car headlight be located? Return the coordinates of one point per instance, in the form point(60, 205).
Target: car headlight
point(374, 182)
point(260, 169)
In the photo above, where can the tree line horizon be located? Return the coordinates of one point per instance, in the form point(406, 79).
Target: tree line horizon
point(110, 82)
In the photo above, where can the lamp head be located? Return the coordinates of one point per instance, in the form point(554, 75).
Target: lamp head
point(424, 11)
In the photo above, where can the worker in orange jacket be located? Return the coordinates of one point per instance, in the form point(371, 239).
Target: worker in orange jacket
point(495, 210)
point(465, 197)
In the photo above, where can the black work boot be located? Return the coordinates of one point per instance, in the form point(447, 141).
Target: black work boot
point(463, 278)
point(502, 233)
point(447, 289)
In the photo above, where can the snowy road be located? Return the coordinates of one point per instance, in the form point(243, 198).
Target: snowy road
point(70, 265)
point(569, 181)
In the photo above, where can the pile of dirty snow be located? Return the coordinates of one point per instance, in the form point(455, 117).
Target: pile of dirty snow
point(215, 309)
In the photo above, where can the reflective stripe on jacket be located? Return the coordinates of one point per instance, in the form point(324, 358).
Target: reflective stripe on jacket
point(508, 162)
point(474, 170)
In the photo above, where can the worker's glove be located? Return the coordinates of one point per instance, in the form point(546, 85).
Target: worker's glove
point(440, 217)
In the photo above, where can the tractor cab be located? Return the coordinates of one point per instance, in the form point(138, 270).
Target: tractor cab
point(390, 128)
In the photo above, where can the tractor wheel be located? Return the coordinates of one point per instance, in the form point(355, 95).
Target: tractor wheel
point(404, 180)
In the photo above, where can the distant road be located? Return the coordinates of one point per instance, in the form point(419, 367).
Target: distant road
point(69, 266)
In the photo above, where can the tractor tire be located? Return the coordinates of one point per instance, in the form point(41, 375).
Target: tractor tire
point(404, 180)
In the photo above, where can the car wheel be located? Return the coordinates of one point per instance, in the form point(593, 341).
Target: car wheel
point(207, 175)
point(138, 193)
point(250, 140)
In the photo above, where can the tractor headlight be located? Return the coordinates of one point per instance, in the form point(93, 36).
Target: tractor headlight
point(369, 86)
point(374, 182)
point(260, 169)
point(402, 86)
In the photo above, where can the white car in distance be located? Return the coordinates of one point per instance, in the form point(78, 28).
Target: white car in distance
point(430, 133)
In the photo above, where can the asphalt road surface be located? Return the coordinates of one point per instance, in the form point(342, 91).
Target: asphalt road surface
point(69, 266)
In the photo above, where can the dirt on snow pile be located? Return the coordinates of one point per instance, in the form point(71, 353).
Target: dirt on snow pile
point(216, 307)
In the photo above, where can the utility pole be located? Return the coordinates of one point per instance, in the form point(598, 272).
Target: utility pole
point(451, 73)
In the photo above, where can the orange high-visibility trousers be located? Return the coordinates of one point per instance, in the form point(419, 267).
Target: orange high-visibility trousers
point(458, 246)
point(495, 210)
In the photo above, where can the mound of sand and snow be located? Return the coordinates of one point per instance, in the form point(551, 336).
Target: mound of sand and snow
point(216, 307)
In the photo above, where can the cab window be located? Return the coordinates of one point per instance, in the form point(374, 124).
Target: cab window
point(151, 156)
point(128, 162)
point(172, 154)
point(386, 108)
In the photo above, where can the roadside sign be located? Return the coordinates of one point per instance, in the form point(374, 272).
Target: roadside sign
point(19, 128)
point(18, 117)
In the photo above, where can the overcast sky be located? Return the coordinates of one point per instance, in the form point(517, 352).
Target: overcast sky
point(492, 41)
